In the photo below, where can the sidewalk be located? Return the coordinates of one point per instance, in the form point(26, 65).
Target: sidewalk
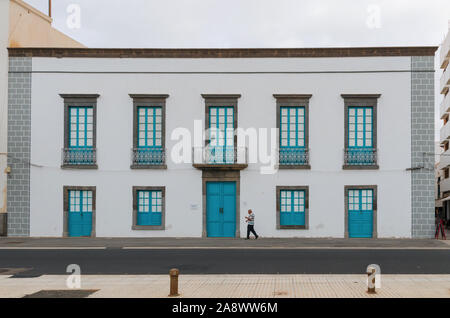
point(232, 286)
point(188, 243)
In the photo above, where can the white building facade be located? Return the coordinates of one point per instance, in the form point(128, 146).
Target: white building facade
point(444, 161)
point(105, 142)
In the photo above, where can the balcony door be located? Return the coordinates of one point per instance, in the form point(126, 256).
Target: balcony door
point(81, 135)
point(360, 135)
point(221, 135)
point(149, 136)
point(292, 136)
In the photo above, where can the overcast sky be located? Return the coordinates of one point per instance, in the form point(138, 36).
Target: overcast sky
point(252, 23)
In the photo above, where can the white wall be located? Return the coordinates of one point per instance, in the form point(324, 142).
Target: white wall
point(257, 108)
point(4, 31)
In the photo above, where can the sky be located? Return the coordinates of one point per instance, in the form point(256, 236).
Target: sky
point(253, 23)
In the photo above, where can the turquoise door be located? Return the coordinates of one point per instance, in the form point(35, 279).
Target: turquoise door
point(360, 212)
point(80, 213)
point(221, 209)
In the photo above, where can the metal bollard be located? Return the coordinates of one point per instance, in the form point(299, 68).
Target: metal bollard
point(371, 280)
point(174, 272)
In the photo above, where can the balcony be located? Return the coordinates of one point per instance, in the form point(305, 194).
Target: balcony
point(445, 81)
point(220, 158)
point(294, 158)
point(445, 133)
point(445, 185)
point(444, 160)
point(445, 107)
point(83, 158)
point(148, 158)
point(360, 158)
point(445, 52)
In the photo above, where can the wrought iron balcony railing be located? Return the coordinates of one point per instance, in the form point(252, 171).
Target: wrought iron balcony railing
point(148, 156)
point(216, 155)
point(79, 156)
point(293, 157)
point(360, 157)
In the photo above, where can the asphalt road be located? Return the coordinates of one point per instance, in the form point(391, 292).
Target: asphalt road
point(227, 261)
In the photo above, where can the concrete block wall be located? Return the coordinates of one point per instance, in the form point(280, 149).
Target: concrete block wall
point(19, 145)
point(422, 146)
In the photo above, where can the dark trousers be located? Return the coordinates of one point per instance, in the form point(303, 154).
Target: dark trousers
point(250, 228)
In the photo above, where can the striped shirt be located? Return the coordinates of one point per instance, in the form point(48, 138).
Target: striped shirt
point(251, 219)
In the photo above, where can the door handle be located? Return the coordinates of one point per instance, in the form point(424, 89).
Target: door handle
point(220, 210)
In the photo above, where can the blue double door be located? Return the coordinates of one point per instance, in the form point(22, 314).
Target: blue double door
point(80, 213)
point(221, 209)
point(360, 213)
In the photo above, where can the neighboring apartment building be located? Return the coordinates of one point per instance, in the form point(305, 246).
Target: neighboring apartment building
point(20, 26)
point(439, 175)
point(105, 125)
point(444, 162)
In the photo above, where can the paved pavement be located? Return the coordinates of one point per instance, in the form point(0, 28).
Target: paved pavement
point(226, 261)
point(189, 243)
point(231, 286)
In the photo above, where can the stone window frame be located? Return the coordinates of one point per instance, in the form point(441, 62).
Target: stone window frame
point(363, 100)
point(374, 188)
point(79, 100)
point(278, 208)
point(293, 100)
point(144, 100)
point(218, 100)
point(134, 225)
point(66, 189)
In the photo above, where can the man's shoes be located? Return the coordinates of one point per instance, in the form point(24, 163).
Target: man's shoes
point(256, 237)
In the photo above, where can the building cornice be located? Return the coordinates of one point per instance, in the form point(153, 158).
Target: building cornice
point(361, 96)
point(292, 96)
point(223, 53)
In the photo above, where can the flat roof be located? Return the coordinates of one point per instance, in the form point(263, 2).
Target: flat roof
point(224, 53)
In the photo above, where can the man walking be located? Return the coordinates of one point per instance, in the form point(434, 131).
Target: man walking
point(250, 219)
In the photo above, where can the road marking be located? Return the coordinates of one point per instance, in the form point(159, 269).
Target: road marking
point(52, 248)
point(277, 247)
point(221, 248)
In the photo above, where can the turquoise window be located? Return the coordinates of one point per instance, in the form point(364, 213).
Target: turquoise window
point(149, 207)
point(292, 127)
point(80, 149)
point(221, 134)
point(292, 207)
point(360, 127)
point(149, 136)
point(81, 128)
point(360, 200)
point(292, 136)
point(360, 136)
point(80, 201)
point(149, 127)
